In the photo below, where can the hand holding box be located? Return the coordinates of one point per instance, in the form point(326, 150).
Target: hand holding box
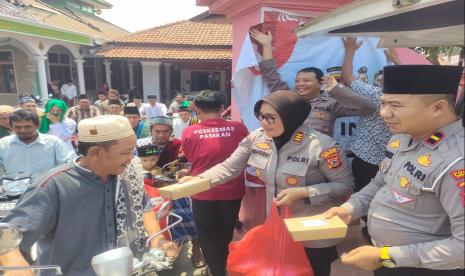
point(316, 228)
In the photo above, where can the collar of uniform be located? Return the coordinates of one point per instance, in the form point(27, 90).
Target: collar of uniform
point(40, 139)
point(439, 136)
point(263, 131)
point(322, 97)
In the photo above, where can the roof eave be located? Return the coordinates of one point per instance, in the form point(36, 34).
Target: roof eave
point(38, 29)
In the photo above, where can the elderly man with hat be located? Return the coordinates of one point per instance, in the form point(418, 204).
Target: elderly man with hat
point(141, 128)
point(86, 207)
point(5, 128)
point(415, 204)
point(152, 108)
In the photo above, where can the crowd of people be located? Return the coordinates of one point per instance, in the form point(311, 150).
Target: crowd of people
point(403, 170)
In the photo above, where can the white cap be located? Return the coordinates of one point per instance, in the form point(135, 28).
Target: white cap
point(104, 128)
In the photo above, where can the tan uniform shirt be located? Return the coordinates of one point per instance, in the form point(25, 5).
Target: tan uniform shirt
point(416, 201)
point(342, 101)
point(310, 159)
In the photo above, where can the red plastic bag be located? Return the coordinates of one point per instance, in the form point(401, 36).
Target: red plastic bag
point(268, 250)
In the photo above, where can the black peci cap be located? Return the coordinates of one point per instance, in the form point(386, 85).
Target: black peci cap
point(421, 79)
point(133, 110)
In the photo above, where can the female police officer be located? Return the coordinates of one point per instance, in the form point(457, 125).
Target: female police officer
point(301, 167)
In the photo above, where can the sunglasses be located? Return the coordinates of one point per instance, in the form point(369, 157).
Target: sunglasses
point(267, 117)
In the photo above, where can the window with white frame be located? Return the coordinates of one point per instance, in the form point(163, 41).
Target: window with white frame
point(7, 73)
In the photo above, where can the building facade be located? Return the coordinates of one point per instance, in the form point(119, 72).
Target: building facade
point(51, 40)
point(186, 56)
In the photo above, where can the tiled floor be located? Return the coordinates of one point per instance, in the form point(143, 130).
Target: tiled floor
point(183, 266)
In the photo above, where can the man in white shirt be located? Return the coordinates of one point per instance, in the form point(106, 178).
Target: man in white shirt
point(152, 109)
point(182, 121)
point(69, 91)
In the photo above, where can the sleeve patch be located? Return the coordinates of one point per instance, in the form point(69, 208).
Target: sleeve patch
point(330, 152)
point(332, 157)
point(458, 174)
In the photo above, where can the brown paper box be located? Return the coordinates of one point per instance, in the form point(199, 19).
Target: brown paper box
point(191, 187)
point(316, 228)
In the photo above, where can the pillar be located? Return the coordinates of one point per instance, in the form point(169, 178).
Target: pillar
point(80, 71)
point(151, 78)
point(168, 68)
point(107, 65)
point(131, 75)
point(41, 71)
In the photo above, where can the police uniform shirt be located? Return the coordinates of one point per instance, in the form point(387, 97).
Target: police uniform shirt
point(342, 101)
point(415, 204)
point(309, 159)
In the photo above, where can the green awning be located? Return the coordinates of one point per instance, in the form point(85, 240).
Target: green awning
point(29, 29)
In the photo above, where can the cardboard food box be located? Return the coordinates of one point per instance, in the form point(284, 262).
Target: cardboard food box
point(316, 228)
point(180, 190)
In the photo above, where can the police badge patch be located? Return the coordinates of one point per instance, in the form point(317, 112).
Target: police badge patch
point(292, 180)
point(424, 160)
point(334, 162)
point(457, 174)
point(404, 182)
point(395, 144)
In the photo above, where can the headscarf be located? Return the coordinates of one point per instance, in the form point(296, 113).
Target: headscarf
point(292, 109)
point(45, 122)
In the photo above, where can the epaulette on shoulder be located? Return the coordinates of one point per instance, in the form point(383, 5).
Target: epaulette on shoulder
point(434, 139)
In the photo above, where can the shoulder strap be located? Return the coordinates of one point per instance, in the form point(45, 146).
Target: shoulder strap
point(436, 181)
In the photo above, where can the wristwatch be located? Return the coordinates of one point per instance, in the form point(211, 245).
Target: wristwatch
point(385, 259)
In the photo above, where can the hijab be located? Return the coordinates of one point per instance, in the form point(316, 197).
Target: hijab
point(292, 109)
point(45, 121)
